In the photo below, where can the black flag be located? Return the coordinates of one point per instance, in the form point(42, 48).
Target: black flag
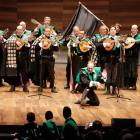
point(85, 19)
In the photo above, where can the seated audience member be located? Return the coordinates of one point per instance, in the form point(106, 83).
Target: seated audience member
point(127, 137)
point(136, 136)
point(50, 130)
point(96, 127)
point(69, 129)
point(91, 136)
point(110, 135)
point(30, 130)
point(123, 132)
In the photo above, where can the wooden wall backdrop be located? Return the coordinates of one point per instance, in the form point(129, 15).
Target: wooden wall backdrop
point(61, 12)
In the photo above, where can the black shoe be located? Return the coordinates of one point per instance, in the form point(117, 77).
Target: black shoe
point(25, 89)
point(66, 86)
point(54, 90)
point(44, 85)
point(133, 88)
point(2, 84)
point(39, 89)
point(78, 102)
point(114, 92)
point(74, 91)
point(125, 88)
point(12, 89)
point(53, 87)
point(107, 92)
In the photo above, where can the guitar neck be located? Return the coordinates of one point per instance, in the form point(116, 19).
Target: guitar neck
point(23, 41)
point(75, 39)
point(135, 41)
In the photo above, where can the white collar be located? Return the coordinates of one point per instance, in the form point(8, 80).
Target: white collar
point(112, 37)
point(133, 35)
point(50, 120)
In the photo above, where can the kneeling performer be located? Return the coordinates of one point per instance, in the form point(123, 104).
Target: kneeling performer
point(87, 79)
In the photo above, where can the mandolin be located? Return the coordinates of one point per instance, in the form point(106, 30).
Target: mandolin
point(81, 44)
point(32, 37)
point(132, 42)
point(3, 33)
point(57, 38)
point(112, 43)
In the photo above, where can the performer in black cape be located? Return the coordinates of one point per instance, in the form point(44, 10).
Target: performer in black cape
point(74, 62)
point(14, 64)
point(47, 60)
point(131, 60)
point(111, 59)
point(98, 55)
point(2, 41)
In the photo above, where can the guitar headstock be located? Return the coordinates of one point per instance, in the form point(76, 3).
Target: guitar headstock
point(34, 33)
point(59, 37)
point(34, 21)
point(5, 31)
point(72, 37)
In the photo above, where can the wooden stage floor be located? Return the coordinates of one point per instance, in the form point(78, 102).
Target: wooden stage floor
point(14, 106)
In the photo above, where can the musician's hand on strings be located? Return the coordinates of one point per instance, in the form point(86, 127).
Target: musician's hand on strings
point(45, 44)
point(127, 42)
point(116, 42)
point(54, 42)
point(30, 37)
point(108, 45)
point(76, 42)
point(1, 38)
point(86, 47)
point(18, 43)
point(26, 42)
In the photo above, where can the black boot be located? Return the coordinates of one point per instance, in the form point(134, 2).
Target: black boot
point(12, 89)
point(74, 91)
point(25, 89)
point(54, 86)
point(134, 84)
point(78, 102)
point(66, 86)
point(44, 84)
point(114, 89)
point(40, 89)
point(54, 90)
point(126, 84)
point(107, 86)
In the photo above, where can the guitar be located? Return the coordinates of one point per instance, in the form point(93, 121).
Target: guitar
point(57, 38)
point(32, 37)
point(36, 22)
point(81, 44)
point(132, 42)
point(112, 43)
point(3, 33)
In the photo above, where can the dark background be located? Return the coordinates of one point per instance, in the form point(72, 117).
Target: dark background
point(125, 12)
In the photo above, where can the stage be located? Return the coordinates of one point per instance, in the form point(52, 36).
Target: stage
point(15, 105)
